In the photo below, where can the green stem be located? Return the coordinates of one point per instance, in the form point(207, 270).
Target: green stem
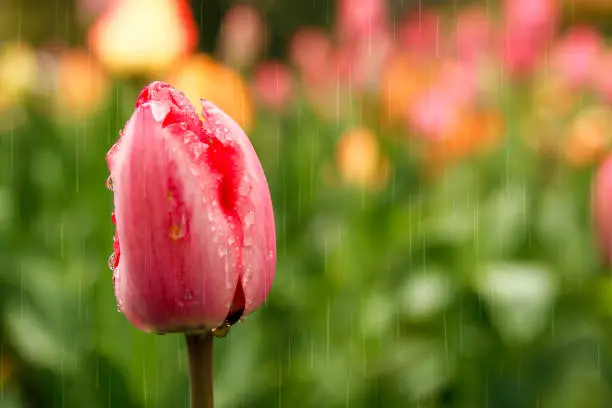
point(200, 350)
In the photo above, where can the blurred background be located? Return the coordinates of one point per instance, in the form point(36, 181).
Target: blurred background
point(430, 164)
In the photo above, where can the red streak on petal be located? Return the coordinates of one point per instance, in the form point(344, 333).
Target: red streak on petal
point(238, 303)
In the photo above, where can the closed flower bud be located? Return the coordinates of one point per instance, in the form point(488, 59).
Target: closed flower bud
point(195, 241)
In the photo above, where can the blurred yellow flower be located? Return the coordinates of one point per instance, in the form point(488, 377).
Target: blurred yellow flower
point(360, 161)
point(18, 72)
point(81, 83)
point(143, 36)
point(588, 136)
point(553, 97)
point(201, 77)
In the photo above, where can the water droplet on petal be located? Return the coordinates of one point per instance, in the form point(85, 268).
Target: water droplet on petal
point(177, 232)
point(249, 219)
point(109, 183)
point(244, 187)
point(197, 151)
point(231, 240)
point(222, 250)
point(111, 261)
point(247, 241)
point(188, 295)
point(159, 110)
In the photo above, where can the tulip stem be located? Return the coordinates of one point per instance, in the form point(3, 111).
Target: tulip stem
point(200, 351)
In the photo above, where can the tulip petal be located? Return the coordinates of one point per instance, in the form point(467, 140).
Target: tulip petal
point(253, 207)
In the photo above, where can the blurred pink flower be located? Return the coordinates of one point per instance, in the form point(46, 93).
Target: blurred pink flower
point(433, 115)
point(273, 85)
point(601, 79)
point(419, 34)
point(529, 27)
point(601, 199)
point(311, 52)
point(361, 20)
point(438, 111)
point(575, 56)
point(242, 36)
point(474, 35)
point(360, 66)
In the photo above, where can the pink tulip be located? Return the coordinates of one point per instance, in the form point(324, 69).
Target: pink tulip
point(420, 34)
point(360, 66)
point(474, 35)
point(433, 115)
point(273, 85)
point(576, 54)
point(242, 36)
point(438, 110)
point(310, 52)
point(360, 20)
point(529, 27)
point(195, 225)
point(602, 209)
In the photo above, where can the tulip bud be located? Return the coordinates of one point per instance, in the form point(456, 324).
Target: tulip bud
point(195, 241)
point(601, 207)
point(273, 85)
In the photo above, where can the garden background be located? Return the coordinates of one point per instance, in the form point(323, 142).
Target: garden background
point(430, 164)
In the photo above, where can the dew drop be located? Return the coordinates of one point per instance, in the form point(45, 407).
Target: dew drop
point(188, 295)
point(247, 241)
point(244, 188)
point(211, 216)
point(231, 240)
point(222, 250)
point(249, 219)
point(194, 169)
point(111, 261)
point(177, 232)
point(109, 183)
point(159, 111)
point(197, 151)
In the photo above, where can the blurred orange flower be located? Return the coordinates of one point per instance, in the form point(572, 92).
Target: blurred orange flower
point(553, 97)
point(360, 161)
point(478, 132)
point(201, 77)
point(402, 80)
point(18, 72)
point(143, 36)
point(589, 136)
point(82, 84)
